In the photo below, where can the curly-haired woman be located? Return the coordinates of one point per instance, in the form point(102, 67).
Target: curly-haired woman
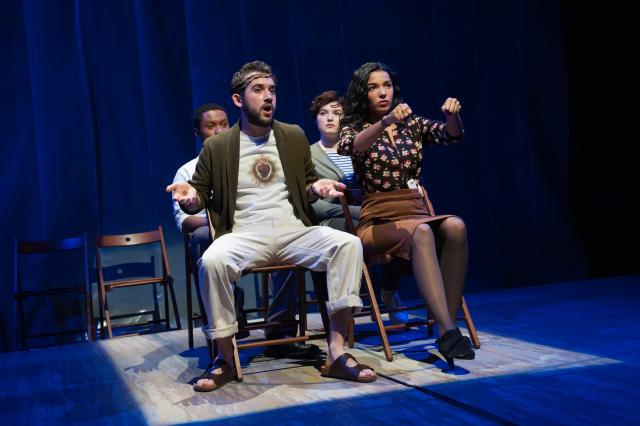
point(385, 140)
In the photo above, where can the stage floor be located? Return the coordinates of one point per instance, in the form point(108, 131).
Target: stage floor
point(556, 354)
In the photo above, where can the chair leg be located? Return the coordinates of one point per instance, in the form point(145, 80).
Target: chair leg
point(265, 280)
point(107, 316)
point(165, 292)
point(236, 360)
point(351, 333)
point(376, 314)
point(302, 304)
point(187, 282)
point(21, 341)
point(213, 349)
point(373, 316)
point(91, 335)
point(203, 313)
point(175, 306)
point(430, 325)
point(321, 295)
point(101, 297)
point(470, 326)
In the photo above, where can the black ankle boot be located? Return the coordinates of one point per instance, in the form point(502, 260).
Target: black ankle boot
point(453, 344)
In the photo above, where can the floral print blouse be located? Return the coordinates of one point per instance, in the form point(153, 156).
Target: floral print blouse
point(384, 167)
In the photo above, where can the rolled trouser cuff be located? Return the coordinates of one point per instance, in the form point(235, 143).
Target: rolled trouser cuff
point(350, 301)
point(219, 333)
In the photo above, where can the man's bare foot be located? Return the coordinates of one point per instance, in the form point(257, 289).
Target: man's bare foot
point(217, 375)
point(203, 382)
point(351, 362)
point(223, 364)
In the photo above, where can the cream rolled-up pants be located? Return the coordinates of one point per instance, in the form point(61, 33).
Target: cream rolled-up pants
point(318, 248)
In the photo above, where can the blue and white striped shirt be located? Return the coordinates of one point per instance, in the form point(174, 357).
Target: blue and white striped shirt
point(344, 164)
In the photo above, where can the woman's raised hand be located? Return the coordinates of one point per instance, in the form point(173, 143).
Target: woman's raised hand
point(450, 106)
point(397, 115)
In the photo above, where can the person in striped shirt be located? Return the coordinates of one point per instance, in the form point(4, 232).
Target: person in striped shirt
point(327, 110)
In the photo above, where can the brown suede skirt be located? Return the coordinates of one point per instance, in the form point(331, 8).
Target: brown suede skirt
point(388, 220)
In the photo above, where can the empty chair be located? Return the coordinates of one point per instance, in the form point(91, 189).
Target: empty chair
point(165, 280)
point(65, 247)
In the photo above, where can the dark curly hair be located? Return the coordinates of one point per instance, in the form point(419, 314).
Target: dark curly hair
point(356, 101)
point(323, 99)
point(240, 81)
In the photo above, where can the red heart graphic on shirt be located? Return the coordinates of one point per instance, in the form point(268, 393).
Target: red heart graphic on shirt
point(264, 171)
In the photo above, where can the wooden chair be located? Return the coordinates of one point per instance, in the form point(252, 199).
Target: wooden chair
point(300, 323)
point(354, 197)
point(22, 248)
point(264, 324)
point(166, 280)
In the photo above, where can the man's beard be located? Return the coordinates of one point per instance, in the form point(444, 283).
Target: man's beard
point(254, 118)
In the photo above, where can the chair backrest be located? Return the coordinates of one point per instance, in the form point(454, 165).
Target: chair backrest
point(44, 247)
point(427, 200)
point(124, 240)
point(212, 230)
point(35, 247)
point(130, 239)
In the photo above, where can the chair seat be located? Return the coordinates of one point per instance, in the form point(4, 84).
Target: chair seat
point(135, 282)
point(46, 292)
point(273, 268)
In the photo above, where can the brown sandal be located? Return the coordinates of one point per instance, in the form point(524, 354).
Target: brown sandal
point(339, 370)
point(219, 380)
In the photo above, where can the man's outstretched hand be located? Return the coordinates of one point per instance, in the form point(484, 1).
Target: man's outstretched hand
point(327, 188)
point(186, 196)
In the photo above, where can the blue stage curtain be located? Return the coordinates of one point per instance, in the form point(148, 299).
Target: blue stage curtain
point(97, 98)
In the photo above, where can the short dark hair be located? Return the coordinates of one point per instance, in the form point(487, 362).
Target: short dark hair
point(239, 81)
point(323, 99)
point(356, 104)
point(197, 115)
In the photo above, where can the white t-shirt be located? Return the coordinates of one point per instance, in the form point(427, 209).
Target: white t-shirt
point(263, 197)
point(184, 174)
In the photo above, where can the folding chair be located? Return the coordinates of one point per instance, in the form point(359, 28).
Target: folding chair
point(22, 248)
point(166, 280)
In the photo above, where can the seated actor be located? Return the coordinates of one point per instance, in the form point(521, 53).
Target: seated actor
point(209, 119)
point(257, 180)
point(327, 110)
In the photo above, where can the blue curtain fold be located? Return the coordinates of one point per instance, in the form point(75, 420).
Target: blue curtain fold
point(97, 100)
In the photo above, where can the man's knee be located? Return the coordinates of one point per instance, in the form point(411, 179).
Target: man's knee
point(352, 242)
point(214, 260)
